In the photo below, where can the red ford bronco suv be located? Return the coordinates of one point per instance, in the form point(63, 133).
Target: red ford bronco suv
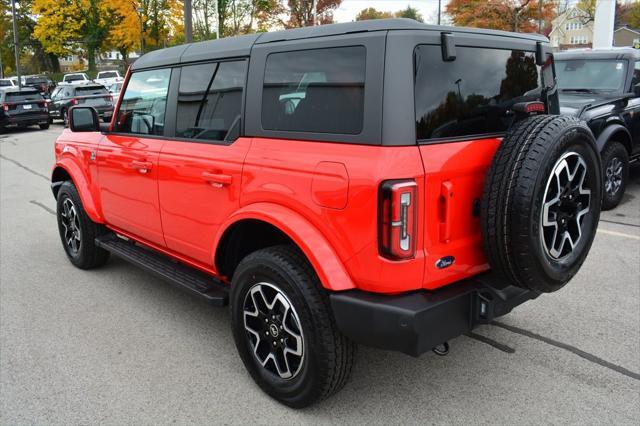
point(385, 183)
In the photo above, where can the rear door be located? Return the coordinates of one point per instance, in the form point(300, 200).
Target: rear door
point(463, 109)
point(201, 167)
point(128, 157)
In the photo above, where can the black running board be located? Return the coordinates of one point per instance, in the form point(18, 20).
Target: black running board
point(182, 276)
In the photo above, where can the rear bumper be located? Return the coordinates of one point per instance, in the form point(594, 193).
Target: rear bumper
point(416, 322)
point(25, 119)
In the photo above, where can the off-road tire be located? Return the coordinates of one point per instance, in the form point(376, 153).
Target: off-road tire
point(512, 201)
point(614, 151)
point(328, 355)
point(88, 255)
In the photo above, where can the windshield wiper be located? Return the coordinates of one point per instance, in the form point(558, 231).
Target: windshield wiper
point(579, 90)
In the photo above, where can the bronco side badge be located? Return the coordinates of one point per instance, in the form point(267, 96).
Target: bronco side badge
point(445, 262)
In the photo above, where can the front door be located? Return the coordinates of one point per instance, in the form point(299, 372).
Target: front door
point(127, 158)
point(201, 169)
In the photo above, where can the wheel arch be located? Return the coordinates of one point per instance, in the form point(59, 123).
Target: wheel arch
point(614, 132)
point(264, 224)
point(67, 170)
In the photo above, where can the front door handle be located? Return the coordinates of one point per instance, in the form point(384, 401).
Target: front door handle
point(217, 179)
point(141, 166)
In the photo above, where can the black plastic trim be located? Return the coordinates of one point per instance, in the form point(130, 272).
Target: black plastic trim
point(416, 322)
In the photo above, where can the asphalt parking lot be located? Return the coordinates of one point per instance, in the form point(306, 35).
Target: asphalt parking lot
point(117, 346)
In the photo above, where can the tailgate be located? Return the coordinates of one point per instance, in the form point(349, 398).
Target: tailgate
point(454, 176)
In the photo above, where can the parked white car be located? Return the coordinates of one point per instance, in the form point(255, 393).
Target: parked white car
point(7, 82)
point(76, 78)
point(107, 78)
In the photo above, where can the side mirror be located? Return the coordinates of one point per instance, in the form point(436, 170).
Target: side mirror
point(83, 119)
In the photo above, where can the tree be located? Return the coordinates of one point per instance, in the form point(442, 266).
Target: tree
point(410, 13)
point(301, 12)
point(64, 25)
point(589, 9)
point(630, 15)
point(508, 15)
point(372, 13)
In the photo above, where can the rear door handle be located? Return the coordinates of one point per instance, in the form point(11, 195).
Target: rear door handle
point(217, 179)
point(141, 166)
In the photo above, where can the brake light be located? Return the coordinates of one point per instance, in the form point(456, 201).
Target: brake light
point(109, 98)
point(5, 107)
point(74, 101)
point(397, 219)
point(528, 107)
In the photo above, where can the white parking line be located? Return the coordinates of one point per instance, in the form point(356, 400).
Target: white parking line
point(618, 234)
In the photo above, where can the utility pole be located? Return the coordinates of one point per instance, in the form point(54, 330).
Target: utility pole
point(140, 11)
point(540, 16)
point(1, 67)
point(16, 45)
point(188, 29)
point(314, 12)
point(439, 10)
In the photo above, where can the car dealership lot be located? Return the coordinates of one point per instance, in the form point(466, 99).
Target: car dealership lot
point(117, 346)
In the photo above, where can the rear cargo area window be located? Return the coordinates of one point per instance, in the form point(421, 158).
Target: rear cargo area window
point(472, 95)
point(209, 99)
point(318, 91)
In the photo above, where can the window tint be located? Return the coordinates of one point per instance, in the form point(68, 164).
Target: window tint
point(23, 96)
point(209, 99)
point(473, 94)
point(144, 102)
point(91, 90)
point(319, 91)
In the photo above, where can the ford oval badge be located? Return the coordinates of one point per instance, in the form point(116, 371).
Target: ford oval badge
point(445, 262)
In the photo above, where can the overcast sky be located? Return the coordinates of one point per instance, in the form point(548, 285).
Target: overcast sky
point(349, 8)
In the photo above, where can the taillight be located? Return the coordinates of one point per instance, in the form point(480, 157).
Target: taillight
point(109, 98)
point(5, 107)
point(397, 219)
point(528, 107)
point(74, 101)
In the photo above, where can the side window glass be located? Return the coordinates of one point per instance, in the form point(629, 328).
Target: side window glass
point(320, 90)
point(472, 95)
point(209, 99)
point(636, 75)
point(144, 102)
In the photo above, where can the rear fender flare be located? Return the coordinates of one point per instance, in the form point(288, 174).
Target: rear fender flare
point(81, 184)
point(308, 238)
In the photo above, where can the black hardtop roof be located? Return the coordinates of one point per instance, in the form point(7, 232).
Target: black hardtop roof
point(241, 45)
point(618, 53)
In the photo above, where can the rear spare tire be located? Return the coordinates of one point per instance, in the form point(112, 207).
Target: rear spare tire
point(541, 202)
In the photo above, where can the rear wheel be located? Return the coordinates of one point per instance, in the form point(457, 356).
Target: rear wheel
point(284, 329)
point(44, 126)
point(615, 173)
point(541, 202)
point(77, 230)
point(65, 119)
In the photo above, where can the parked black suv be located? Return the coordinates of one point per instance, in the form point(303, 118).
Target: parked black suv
point(23, 108)
point(94, 95)
point(602, 87)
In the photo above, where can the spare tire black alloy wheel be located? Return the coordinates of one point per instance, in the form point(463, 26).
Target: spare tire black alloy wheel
point(566, 201)
point(273, 329)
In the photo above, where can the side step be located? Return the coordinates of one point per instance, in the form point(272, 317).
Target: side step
point(189, 279)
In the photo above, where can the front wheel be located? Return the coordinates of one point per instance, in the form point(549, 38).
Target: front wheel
point(615, 173)
point(77, 230)
point(284, 329)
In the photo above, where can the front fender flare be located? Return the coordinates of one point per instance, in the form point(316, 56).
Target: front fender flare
point(609, 131)
point(81, 184)
point(308, 238)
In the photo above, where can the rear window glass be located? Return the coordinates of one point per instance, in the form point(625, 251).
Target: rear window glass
point(319, 91)
point(591, 74)
point(5, 83)
point(473, 94)
point(108, 74)
point(35, 80)
point(23, 96)
point(74, 77)
point(91, 90)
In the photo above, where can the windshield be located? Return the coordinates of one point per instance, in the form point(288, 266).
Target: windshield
point(23, 96)
point(592, 74)
point(91, 90)
point(108, 74)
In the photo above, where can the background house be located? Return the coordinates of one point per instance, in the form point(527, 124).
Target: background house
point(72, 63)
point(572, 29)
point(626, 37)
